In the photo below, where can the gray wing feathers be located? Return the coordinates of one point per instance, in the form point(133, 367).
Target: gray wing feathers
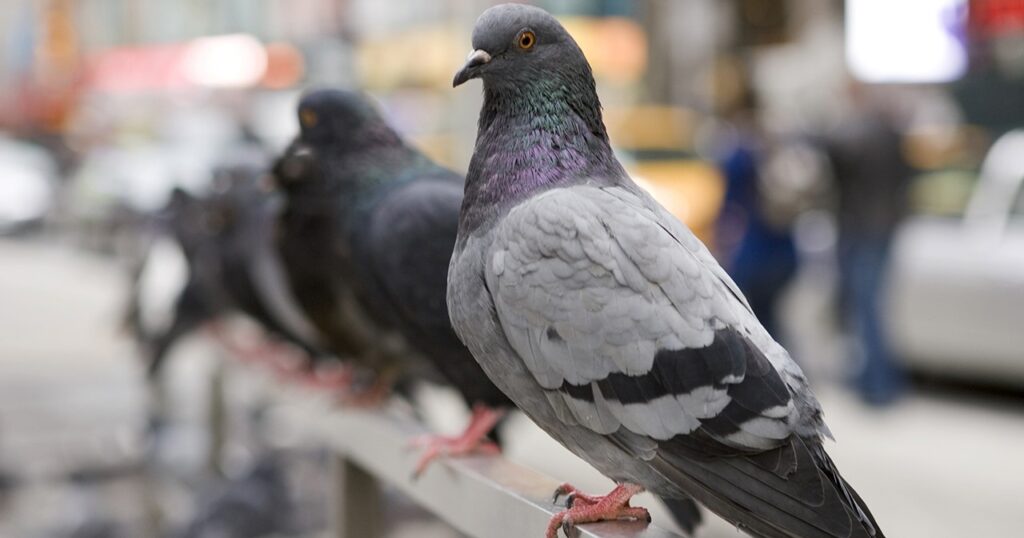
point(577, 283)
point(684, 237)
point(591, 289)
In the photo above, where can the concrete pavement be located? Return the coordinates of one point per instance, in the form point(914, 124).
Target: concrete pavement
point(933, 466)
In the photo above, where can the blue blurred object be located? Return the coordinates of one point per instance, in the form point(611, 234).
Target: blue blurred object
point(862, 269)
point(760, 256)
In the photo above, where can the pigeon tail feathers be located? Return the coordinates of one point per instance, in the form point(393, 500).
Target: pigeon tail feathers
point(794, 491)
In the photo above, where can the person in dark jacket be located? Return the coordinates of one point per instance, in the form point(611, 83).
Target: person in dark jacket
point(871, 178)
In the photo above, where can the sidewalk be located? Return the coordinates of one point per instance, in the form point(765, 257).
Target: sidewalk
point(932, 467)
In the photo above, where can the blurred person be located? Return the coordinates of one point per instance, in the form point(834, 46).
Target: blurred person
point(871, 177)
point(754, 241)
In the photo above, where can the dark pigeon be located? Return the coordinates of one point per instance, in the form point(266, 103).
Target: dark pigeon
point(244, 212)
point(212, 256)
point(366, 235)
point(609, 323)
point(172, 292)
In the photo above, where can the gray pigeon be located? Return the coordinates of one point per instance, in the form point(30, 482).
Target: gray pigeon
point(609, 323)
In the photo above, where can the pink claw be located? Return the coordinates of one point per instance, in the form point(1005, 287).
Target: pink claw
point(592, 508)
point(472, 441)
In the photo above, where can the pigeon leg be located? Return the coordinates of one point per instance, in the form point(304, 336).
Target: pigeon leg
point(368, 397)
point(585, 508)
point(261, 351)
point(220, 335)
point(333, 377)
point(282, 360)
point(574, 496)
point(471, 441)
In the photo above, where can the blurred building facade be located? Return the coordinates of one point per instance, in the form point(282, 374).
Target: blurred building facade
point(796, 47)
point(82, 74)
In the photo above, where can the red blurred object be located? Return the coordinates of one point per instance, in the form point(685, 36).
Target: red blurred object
point(133, 69)
point(285, 66)
point(224, 61)
point(996, 16)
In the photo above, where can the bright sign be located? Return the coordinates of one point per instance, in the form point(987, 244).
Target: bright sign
point(917, 41)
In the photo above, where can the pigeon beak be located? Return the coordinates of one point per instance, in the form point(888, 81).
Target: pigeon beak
point(476, 59)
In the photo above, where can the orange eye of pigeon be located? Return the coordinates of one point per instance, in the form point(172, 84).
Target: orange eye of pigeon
point(527, 40)
point(307, 117)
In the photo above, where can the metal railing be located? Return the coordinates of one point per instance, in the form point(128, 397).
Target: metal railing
point(484, 496)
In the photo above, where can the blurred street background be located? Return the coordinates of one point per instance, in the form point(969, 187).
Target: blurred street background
point(857, 166)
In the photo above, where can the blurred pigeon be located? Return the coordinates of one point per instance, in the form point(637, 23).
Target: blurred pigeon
point(609, 323)
point(244, 211)
point(372, 222)
point(256, 504)
point(172, 294)
point(307, 243)
point(215, 255)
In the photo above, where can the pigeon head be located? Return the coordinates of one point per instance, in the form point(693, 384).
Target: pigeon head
point(294, 167)
point(184, 215)
point(241, 194)
point(343, 143)
point(540, 124)
point(516, 45)
point(341, 120)
point(190, 222)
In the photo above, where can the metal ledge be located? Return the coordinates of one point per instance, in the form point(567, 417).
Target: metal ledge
point(480, 496)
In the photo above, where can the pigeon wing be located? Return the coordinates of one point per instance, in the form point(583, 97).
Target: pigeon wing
point(626, 329)
point(411, 235)
point(633, 329)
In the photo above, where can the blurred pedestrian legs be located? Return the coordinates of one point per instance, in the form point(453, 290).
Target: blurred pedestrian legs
point(862, 268)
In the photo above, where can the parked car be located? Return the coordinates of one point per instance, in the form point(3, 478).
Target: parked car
point(28, 176)
point(957, 286)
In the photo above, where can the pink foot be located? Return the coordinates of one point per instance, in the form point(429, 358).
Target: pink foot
point(471, 441)
point(583, 508)
point(286, 363)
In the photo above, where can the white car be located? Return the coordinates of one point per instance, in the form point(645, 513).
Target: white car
point(956, 289)
point(27, 183)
